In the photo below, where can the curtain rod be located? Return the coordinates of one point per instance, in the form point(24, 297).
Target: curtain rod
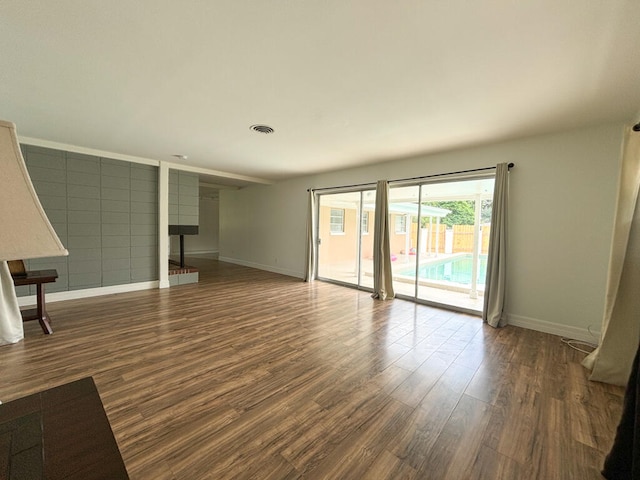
point(511, 165)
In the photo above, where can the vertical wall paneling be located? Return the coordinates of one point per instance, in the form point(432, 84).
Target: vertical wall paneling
point(116, 221)
point(84, 240)
point(184, 198)
point(173, 198)
point(105, 212)
point(144, 223)
point(188, 198)
point(48, 171)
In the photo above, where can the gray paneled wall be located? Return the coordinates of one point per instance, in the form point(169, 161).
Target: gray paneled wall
point(144, 223)
point(83, 220)
point(115, 221)
point(48, 172)
point(184, 196)
point(105, 212)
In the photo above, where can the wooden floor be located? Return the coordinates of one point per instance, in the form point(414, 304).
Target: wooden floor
point(250, 374)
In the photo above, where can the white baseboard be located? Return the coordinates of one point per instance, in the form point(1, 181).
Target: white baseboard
point(575, 333)
point(196, 252)
point(89, 292)
point(260, 266)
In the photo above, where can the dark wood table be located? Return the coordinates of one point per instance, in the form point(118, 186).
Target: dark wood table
point(37, 278)
point(59, 434)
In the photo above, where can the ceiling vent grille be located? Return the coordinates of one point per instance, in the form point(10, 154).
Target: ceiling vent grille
point(262, 128)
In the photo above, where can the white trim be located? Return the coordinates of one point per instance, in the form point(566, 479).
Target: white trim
point(163, 224)
point(89, 292)
point(218, 186)
point(575, 333)
point(260, 266)
point(198, 252)
point(37, 142)
point(218, 173)
point(87, 151)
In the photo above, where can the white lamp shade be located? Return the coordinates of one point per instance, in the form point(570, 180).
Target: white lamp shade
point(25, 230)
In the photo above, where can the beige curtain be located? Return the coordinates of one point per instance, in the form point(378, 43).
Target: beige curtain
point(382, 274)
point(311, 249)
point(11, 330)
point(611, 362)
point(495, 284)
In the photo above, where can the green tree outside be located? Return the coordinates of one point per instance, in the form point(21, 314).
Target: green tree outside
point(462, 212)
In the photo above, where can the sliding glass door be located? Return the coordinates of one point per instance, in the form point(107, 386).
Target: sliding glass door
point(345, 237)
point(439, 239)
point(404, 203)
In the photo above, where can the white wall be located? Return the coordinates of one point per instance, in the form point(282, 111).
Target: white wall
point(561, 215)
point(207, 239)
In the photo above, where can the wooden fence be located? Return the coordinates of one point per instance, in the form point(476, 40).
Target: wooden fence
point(438, 237)
point(462, 238)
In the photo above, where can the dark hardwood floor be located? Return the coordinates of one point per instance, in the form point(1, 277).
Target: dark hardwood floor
point(250, 374)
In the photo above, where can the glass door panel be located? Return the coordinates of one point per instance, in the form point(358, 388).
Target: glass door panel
point(367, 223)
point(456, 226)
point(345, 237)
point(403, 237)
point(338, 237)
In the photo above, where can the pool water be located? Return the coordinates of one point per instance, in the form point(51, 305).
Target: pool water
point(456, 270)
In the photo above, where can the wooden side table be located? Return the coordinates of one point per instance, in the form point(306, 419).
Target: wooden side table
point(37, 278)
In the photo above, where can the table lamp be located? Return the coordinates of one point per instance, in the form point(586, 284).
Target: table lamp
point(25, 230)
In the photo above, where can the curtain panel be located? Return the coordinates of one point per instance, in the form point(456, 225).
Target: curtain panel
point(11, 328)
point(495, 284)
point(623, 460)
point(611, 362)
point(382, 273)
point(311, 247)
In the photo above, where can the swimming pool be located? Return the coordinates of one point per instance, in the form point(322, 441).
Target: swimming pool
point(457, 270)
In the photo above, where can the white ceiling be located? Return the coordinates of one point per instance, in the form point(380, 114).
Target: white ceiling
point(343, 83)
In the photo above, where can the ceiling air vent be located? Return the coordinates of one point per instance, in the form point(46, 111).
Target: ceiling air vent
point(262, 128)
